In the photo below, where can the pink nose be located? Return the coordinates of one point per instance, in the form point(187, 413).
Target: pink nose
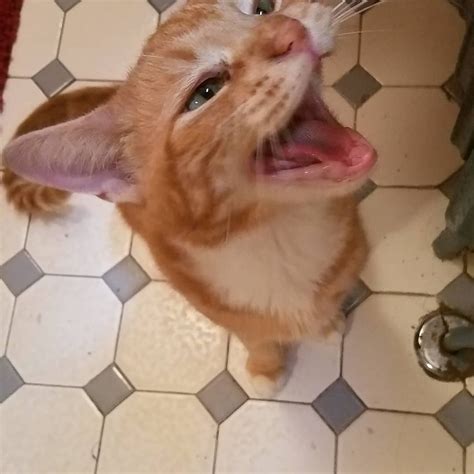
point(289, 36)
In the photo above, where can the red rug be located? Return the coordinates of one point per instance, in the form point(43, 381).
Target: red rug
point(9, 22)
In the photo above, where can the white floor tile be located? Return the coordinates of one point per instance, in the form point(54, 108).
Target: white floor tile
point(339, 106)
point(470, 384)
point(410, 128)
point(379, 358)
point(275, 437)
point(156, 433)
point(116, 32)
point(392, 443)
point(470, 264)
point(142, 255)
point(470, 460)
point(87, 237)
point(6, 308)
point(38, 37)
point(64, 330)
point(13, 235)
point(401, 226)
point(313, 366)
point(344, 57)
point(167, 345)
point(21, 97)
point(49, 430)
point(401, 36)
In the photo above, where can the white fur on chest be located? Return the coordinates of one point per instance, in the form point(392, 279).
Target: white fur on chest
point(276, 268)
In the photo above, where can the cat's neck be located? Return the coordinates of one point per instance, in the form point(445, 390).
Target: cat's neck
point(278, 264)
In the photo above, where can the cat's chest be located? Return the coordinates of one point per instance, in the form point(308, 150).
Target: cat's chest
point(276, 268)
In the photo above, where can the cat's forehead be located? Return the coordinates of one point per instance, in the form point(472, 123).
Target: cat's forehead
point(203, 25)
point(199, 37)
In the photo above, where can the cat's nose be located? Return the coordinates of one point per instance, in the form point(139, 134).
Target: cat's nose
point(289, 35)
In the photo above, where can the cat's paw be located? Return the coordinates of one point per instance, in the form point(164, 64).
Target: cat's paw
point(266, 387)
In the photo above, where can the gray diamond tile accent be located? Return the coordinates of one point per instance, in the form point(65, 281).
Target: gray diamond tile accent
point(368, 188)
point(161, 5)
point(448, 188)
point(358, 294)
point(453, 88)
point(459, 295)
point(20, 272)
point(457, 416)
point(10, 381)
point(66, 5)
point(126, 279)
point(339, 406)
point(108, 389)
point(357, 86)
point(222, 396)
point(53, 78)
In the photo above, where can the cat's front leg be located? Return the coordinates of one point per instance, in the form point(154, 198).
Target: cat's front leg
point(267, 366)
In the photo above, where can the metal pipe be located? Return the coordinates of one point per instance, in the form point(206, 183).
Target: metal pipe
point(459, 338)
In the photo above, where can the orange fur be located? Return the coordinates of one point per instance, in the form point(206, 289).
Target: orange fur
point(195, 192)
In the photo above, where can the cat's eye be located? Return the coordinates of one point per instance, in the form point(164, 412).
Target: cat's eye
point(204, 92)
point(264, 7)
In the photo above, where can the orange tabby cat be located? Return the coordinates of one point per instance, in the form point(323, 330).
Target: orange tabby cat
point(221, 153)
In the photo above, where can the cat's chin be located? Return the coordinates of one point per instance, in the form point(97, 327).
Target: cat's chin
point(314, 148)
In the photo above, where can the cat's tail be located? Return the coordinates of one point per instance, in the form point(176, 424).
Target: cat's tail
point(31, 197)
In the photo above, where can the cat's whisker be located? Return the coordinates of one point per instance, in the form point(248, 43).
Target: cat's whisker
point(339, 5)
point(347, 33)
point(358, 11)
point(350, 8)
point(355, 8)
point(341, 8)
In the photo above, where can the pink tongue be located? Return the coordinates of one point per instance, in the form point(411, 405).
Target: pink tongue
point(319, 141)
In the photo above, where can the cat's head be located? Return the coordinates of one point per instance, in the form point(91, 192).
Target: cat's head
point(224, 103)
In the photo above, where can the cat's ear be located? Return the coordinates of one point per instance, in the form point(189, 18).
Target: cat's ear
point(83, 155)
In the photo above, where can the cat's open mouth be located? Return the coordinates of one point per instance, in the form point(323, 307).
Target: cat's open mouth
point(314, 146)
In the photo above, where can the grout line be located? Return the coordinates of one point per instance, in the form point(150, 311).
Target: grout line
point(341, 352)
point(69, 275)
point(402, 293)
point(336, 453)
point(227, 353)
point(464, 460)
point(216, 446)
point(164, 392)
point(289, 402)
point(112, 81)
point(360, 38)
point(409, 86)
point(401, 412)
point(61, 32)
point(53, 385)
point(99, 447)
point(14, 76)
point(427, 187)
point(117, 338)
point(10, 326)
point(27, 232)
point(132, 237)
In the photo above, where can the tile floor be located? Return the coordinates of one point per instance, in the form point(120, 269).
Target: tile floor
point(104, 368)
